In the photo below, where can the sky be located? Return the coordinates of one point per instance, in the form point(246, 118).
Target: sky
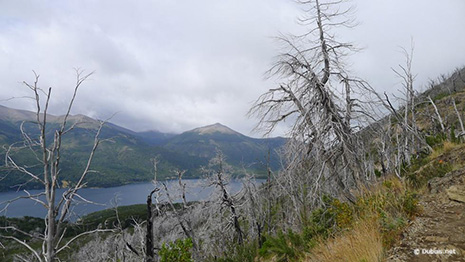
point(176, 65)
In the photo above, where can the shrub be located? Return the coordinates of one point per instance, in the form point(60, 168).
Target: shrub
point(343, 212)
point(435, 140)
point(392, 205)
point(238, 253)
point(179, 250)
point(391, 227)
point(409, 202)
point(437, 168)
point(284, 247)
point(322, 221)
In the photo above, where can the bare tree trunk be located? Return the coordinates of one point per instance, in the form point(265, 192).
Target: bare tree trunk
point(57, 212)
point(185, 223)
point(407, 76)
point(443, 129)
point(219, 171)
point(459, 117)
point(149, 255)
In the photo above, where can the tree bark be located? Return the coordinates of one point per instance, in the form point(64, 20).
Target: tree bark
point(149, 255)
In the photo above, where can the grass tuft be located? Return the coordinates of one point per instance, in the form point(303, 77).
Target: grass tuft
point(362, 243)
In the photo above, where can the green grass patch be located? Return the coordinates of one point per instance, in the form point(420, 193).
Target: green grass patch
point(107, 218)
point(440, 96)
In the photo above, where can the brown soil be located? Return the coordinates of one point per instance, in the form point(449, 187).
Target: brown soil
point(439, 228)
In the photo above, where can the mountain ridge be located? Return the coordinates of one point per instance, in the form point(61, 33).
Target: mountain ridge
point(214, 128)
point(126, 157)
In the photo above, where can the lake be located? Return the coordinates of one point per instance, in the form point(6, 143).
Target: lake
point(131, 194)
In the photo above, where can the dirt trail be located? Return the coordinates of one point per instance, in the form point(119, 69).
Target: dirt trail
point(438, 234)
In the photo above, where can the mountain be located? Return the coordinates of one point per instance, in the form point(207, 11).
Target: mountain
point(240, 150)
point(123, 158)
point(125, 155)
point(154, 137)
point(214, 129)
point(15, 115)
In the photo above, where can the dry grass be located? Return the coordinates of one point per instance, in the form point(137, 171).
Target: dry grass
point(389, 183)
point(361, 244)
point(446, 148)
point(383, 194)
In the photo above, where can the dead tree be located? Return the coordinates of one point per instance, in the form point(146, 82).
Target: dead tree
point(149, 255)
point(149, 234)
point(49, 155)
point(438, 115)
point(182, 215)
point(217, 172)
point(457, 76)
point(408, 140)
point(255, 205)
point(409, 136)
point(323, 103)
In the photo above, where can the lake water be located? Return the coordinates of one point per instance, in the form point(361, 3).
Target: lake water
point(196, 189)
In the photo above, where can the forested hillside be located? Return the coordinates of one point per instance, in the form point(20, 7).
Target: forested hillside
point(125, 156)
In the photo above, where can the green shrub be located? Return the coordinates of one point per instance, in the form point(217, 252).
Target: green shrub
point(453, 138)
point(416, 163)
point(321, 223)
point(410, 205)
point(391, 227)
point(179, 251)
point(343, 213)
point(284, 247)
point(246, 252)
point(437, 168)
point(435, 140)
point(440, 96)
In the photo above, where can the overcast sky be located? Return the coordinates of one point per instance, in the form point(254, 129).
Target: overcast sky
point(173, 65)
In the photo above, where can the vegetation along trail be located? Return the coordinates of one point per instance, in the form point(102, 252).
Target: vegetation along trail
point(438, 233)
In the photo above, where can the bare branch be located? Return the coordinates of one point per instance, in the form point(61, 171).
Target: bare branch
point(65, 246)
point(33, 251)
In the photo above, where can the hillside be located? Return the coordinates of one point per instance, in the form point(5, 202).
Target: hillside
point(418, 213)
point(125, 156)
point(239, 150)
point(154, 137)
point(411, 206)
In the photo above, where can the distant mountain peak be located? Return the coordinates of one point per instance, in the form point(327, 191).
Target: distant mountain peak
point(215, 128)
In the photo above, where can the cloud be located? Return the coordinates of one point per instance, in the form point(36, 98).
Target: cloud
point(177, 65)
